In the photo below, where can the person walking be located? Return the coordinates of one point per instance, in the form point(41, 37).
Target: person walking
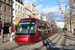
point(9, 31)
point(63, 29)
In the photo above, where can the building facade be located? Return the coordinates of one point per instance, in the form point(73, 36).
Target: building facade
point(6, 14)
point(60, 24)
point(44, 17)
point(30, 10)
point(19, 9)
point(28, 13)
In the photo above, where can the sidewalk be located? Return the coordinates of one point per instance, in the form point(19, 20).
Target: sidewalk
point(73, 38)
point(6, 39)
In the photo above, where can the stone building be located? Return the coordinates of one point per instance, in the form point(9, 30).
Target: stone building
point(30, 10)
point(6, 14)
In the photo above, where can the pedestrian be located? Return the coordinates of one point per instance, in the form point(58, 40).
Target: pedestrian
point(12, 30)
point(9, 31)
point(63, 29)
point(42, 34)
point(66, 29)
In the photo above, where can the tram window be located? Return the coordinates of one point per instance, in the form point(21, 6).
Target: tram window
point(44, 27)
point(52, 27)
point(48, 28)
point(33, 28)
point(26, 27)
point(40, 27)
point(23, 27)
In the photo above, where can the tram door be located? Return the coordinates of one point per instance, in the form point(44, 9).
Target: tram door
point(42, 30)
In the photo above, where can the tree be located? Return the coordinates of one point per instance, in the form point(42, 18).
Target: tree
point(72, 13)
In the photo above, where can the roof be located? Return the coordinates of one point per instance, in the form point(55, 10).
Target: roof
point(35, 19)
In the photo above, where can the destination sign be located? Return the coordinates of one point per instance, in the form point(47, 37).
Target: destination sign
point(25, 20)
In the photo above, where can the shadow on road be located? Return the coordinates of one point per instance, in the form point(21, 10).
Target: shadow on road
point(48, 44)
point(71, 38)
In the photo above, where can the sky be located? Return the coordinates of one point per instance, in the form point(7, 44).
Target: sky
point(49, 6)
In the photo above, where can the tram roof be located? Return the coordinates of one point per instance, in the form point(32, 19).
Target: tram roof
point(35, 19)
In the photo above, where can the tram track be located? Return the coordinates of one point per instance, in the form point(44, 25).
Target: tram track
point(49, 41)
point(55, 46)
point(63, 42)
point(36, 48)
point(58, 39)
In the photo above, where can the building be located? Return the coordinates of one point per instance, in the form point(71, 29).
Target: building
point(19, 9)
point(44, 17)
point(28, 13)
point(48, 20)
point(39, 16)
point(60, 24)
point(30, 10)
point(6, 14)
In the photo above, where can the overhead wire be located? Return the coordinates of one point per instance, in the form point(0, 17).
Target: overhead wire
point(42, 4)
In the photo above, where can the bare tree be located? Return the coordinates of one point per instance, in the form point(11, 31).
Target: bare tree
point(72, 12)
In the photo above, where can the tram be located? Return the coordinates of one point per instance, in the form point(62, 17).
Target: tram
point(31, 30)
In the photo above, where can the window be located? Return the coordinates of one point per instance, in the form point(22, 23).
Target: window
point(0, 16)
point(9, 10)
point(44, 28)
point(41, 29)
point(18, 0)
point(40, 26)
point(41, 18)
point(9, 19)
point(26, 27)
point(21, 3)
point(48, 27)
point(15, 12)
point(9, 1)
point(52, 28)
point(0, 7)
point(5, 9)
point(23, 14)
point(16, 5)
point(21, 8)
point(5, 18)
point(4, 0)
point(19, 12)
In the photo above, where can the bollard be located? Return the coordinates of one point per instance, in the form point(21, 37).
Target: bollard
point(11, 39)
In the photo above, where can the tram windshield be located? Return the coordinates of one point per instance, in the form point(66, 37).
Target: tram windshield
point(26, 27)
